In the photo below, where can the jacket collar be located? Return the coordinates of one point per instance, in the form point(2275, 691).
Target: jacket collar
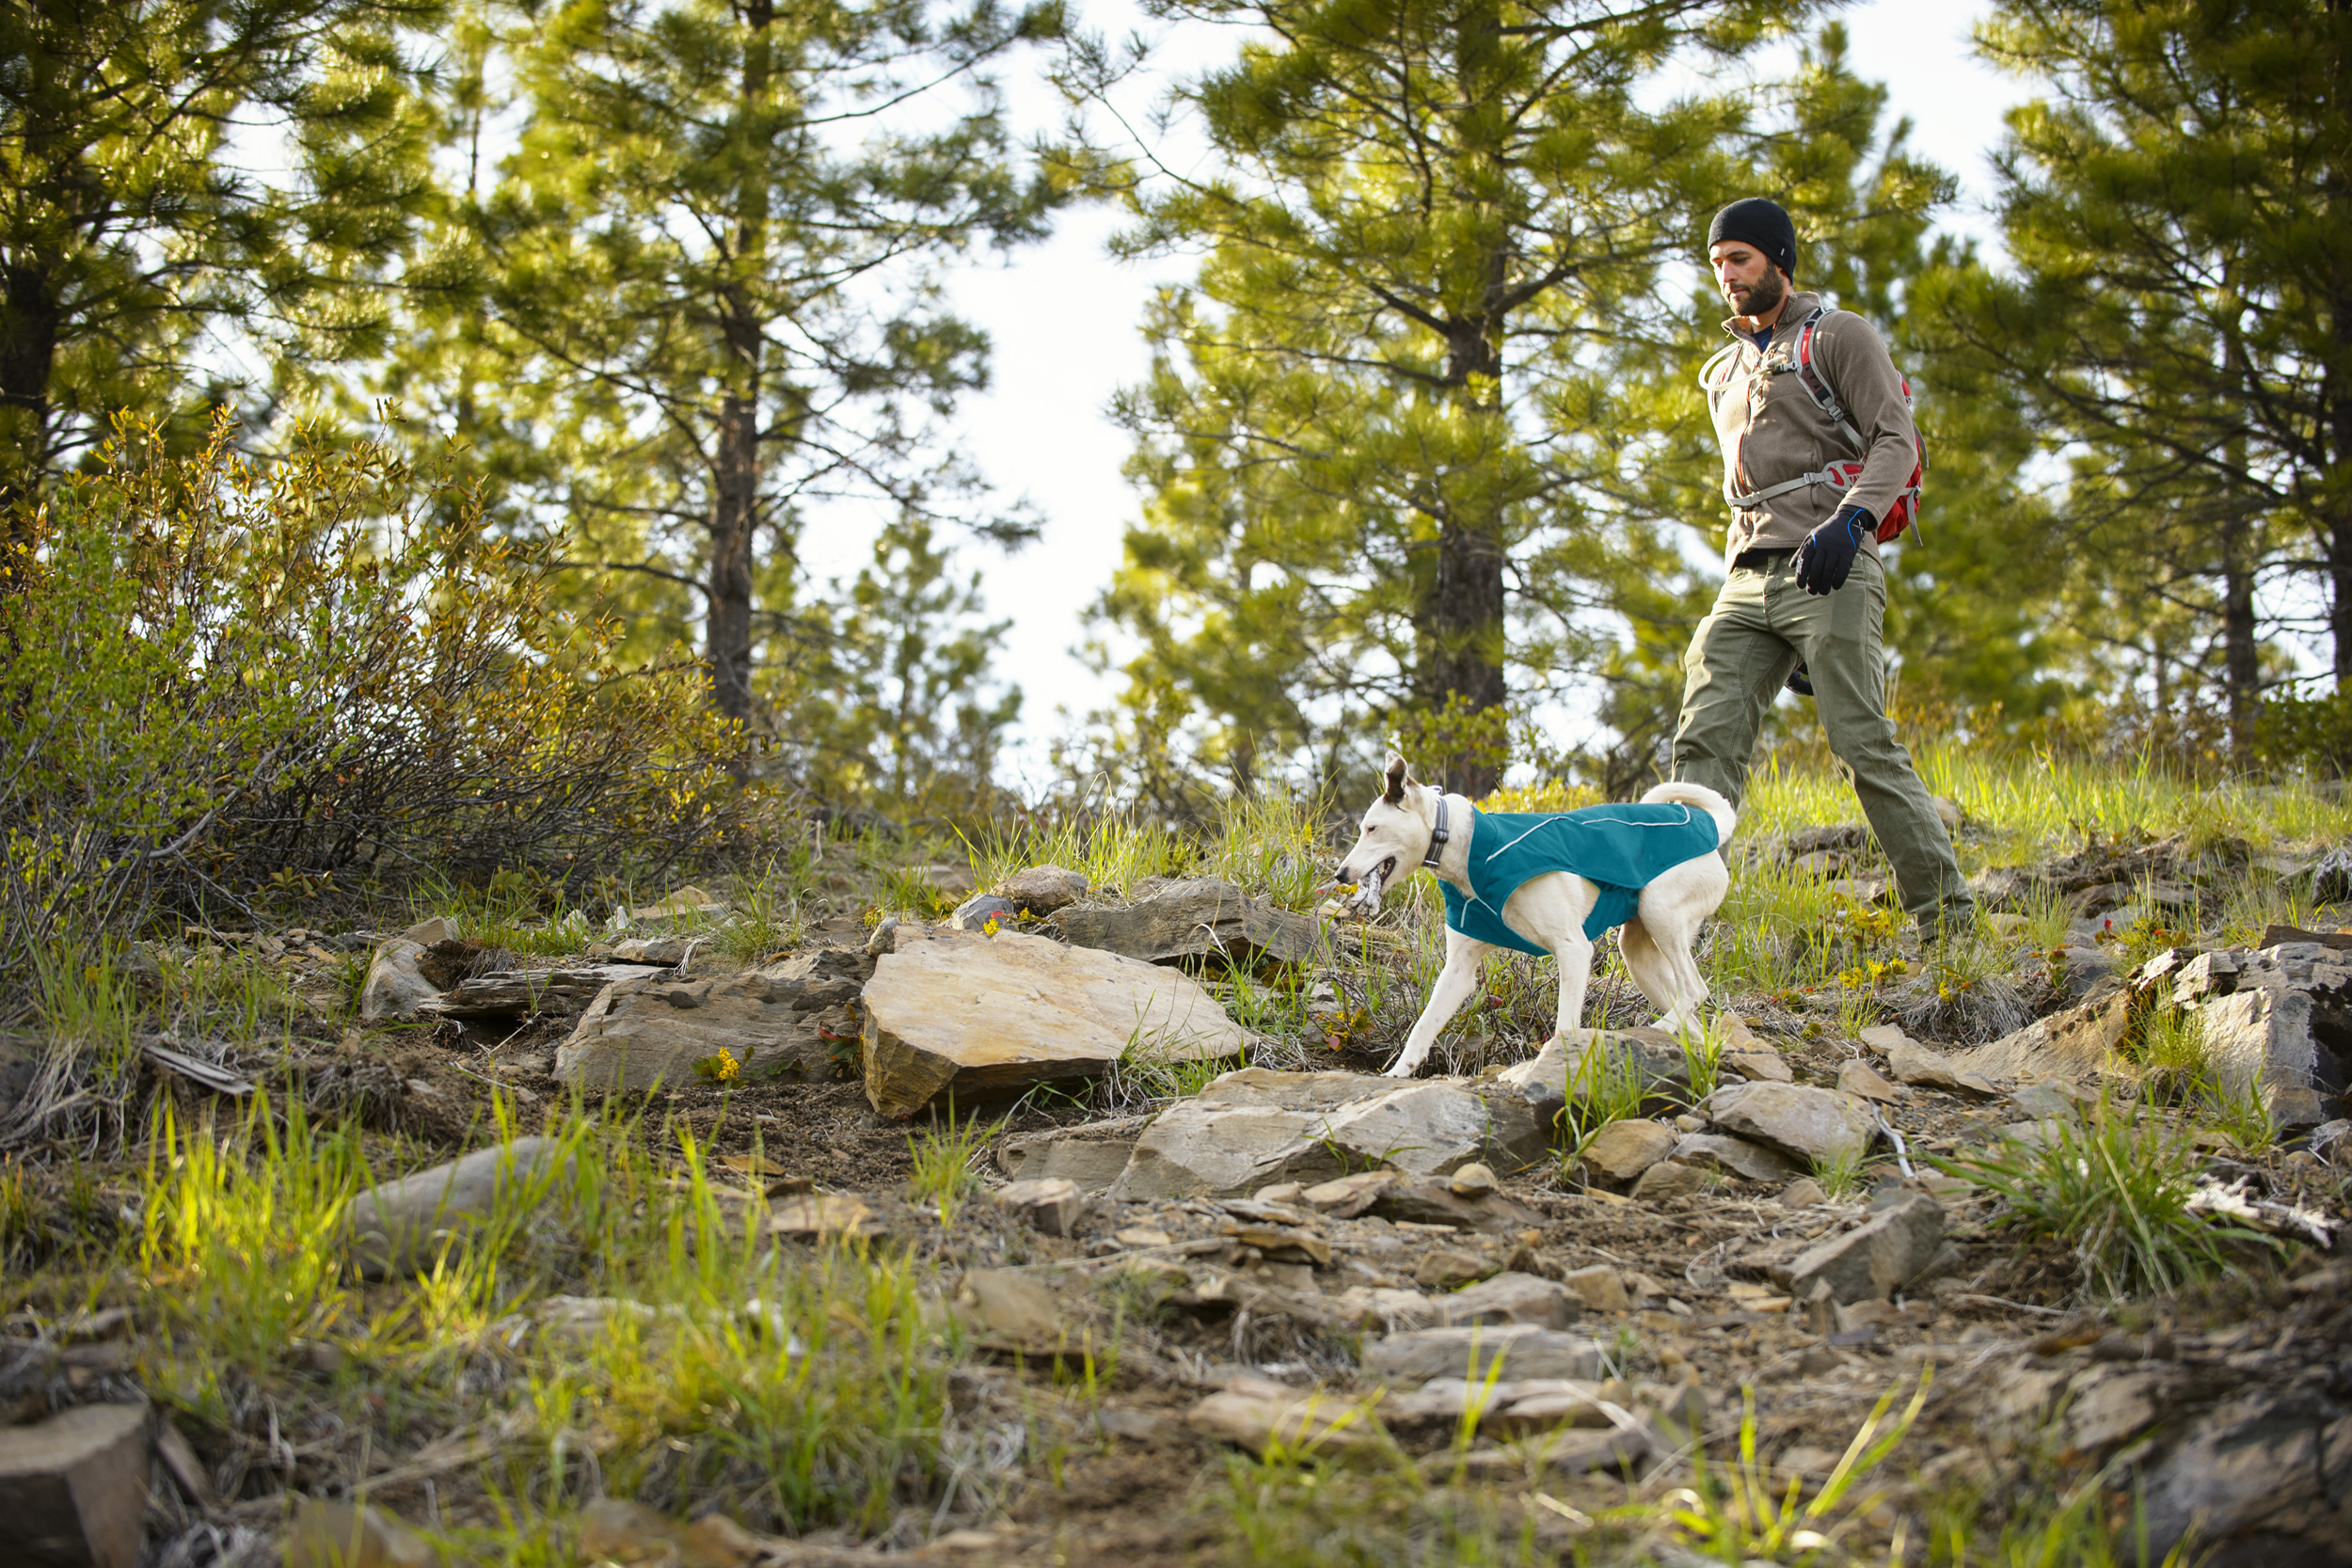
point(1802, 303)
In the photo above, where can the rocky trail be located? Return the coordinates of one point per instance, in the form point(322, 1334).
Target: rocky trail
point(1566, 1277)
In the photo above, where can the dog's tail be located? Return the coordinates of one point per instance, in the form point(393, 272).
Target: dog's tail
point(1679, 792)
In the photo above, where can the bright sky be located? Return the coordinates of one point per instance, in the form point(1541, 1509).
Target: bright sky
point(1064, 319)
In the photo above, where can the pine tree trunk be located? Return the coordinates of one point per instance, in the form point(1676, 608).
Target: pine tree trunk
point(1459, 620)
point(2241, 657)
point(735, 489)
point(28, 353)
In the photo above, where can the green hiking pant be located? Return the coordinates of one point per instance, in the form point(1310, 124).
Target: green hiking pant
point(1761, 626)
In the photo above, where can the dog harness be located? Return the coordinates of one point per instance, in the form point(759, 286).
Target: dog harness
point(1619, 849)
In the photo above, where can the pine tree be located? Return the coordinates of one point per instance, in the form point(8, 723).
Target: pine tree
point(1375, 439)
point(2180, 330)
point(128, 230)
point(698, 299)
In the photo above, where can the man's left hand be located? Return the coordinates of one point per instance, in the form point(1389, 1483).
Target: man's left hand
point(1826, 556)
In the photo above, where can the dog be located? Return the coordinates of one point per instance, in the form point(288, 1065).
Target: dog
point(1412, 825)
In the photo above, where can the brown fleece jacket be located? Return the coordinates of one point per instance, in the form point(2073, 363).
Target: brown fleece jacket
point(1772, 429)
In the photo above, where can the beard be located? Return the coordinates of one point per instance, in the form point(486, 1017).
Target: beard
point(1767, 294)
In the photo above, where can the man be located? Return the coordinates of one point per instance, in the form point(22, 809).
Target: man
point(1804, 594)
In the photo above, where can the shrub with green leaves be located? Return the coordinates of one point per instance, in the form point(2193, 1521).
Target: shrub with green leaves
point(230, 679)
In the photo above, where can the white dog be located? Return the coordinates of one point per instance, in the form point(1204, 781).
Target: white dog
point(1550, 882)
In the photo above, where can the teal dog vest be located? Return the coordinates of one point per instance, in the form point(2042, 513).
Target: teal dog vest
point(1619, 849)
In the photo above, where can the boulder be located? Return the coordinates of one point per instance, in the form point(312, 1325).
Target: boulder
point(1053, 1205)
point(1511, 1298)
point(1737, 1156)
point(1254, 1126)
point(1622, 1150)
point(956, 1014)
point(397, 1229)
point(1041, 889)
point(1808, 1123)
point(1525, 1350)
point(1197, 918)
point(1875, 1260)
point(2266, 1037)
point(787, 1020)
point(73, 1486)
point(1089, 1155)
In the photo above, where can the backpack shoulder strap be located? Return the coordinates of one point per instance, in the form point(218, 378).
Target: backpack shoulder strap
point(1817, 385)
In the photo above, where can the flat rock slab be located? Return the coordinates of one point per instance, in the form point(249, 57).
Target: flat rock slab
point(957, 1013)
point(1909, 1062)
point(531, 990)
point(2264, 1038)
point(1198, 918)
point(787, 1020)
point(1808, 1123)
point(1089, 1155)
point(2077, 1039)
point(1252, 1128)
point(73, 1487)
point(1524, 1350)
point(399, 1228)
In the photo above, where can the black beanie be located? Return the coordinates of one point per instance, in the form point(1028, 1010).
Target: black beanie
point(1762, 223)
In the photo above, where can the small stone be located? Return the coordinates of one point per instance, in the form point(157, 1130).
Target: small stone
point(1471, 1181)
point(1599, 1287)
point(1015, 1311)
point(1622, 1150)
point(1042, 889)
point(1281, 1192)
point(686, 900)
point(396, 986)
point(1053, 1204)
point(1715, 1151)
point(1254, 1412)
point(1687, 1123)
point(1763, 1067)
point(1142, 1236)
point(1443, 1268)
point(819, 1216)
point(1803, 1193)
point(400, 1228)
point(1511, 1298)
point(2044, 1102)
point(1809, 1123)
point(1855, 1077)
point(342, 1534)
point(1876, 1259)
point(1668, 1178)
point(1947, 812)
point(73, 1487)
point(1526, 1352)
point(1910, 1062)
point(616, 1529)
point(981, 912)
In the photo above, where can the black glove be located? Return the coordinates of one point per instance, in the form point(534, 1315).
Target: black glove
point(1799, 681)
point(1827, 554)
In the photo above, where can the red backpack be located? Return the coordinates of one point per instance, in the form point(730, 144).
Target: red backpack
point(1904, 514)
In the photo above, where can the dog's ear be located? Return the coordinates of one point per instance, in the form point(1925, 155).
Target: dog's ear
point(1397, 780)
